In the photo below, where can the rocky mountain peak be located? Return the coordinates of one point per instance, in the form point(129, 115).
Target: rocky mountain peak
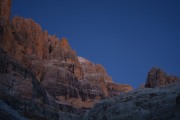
point(91, 69)
point(64, 44)
point(157, 77)
point(68, 83)
point(41, 77)
point(68, 79)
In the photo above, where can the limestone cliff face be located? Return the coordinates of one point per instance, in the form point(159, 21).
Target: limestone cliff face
point(5, 10)
point(115, 89)
point(6, 38)
point(42, 77)
point(94, 70)
point(66, 78)
point(141, 104)
point(97, 76)
point(157, 77)
point(21, 93)
point(26, 42)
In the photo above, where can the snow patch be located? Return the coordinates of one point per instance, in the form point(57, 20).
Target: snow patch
point(82, 60)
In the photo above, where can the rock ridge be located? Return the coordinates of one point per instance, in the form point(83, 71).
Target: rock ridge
point(157, 77)
point(54, 64)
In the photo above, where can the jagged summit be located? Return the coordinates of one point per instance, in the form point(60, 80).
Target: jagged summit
point(69, 85)
point(41, 77)
point(64, 44)
point(93, 69)
point(157, 77)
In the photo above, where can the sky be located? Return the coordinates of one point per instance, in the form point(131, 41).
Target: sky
point(128, 37)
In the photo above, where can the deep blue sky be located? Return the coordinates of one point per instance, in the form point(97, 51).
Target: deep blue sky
point(127, 37)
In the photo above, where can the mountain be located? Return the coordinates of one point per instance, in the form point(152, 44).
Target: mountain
point(158, 99)
point(157, 77)
point(160, 103)
point(42, 77)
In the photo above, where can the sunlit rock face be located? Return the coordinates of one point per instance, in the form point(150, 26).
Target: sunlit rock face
point(5, 11)
point(157, 77)
point(92, 69)
point(55, 64)
point(42, 75)
point(99, 78)
point(115, 89)
point(26, 42)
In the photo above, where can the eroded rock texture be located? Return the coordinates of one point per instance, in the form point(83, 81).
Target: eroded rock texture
point(20, 89)
point(67, 78)
point(97, 77)
point(5, 12)
point(41, 77)
point(142, 104)
point(157, 77)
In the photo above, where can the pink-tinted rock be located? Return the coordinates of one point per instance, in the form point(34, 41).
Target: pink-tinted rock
point(67, 78)
point(115, 89)
point(99, 78)
point(45, 75)
point(96, 70)
point(29, 37)
point(5, 10)
point(157, 77)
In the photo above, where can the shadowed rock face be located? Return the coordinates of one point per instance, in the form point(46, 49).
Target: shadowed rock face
point(142, 104)
point(18, 81)
point(20, 89)
point(157, 77)
point(18, 86)
point(178, 99)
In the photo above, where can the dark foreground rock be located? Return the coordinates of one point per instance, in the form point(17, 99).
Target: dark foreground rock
point(160, 103)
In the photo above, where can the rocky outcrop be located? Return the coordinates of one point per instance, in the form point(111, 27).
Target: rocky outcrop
point(41, 77)
point(18, 84)
point(55, 65)
point(115, 89)
point(20, 89)
point(157, 77)
point(44, 77)
point(142, 104)
point(5, 10)
point(26, 42)
point(53, 62)
point(65, 87)
point(94, 70)
point(16, 80)
point(98, 77)
point(5, 27)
